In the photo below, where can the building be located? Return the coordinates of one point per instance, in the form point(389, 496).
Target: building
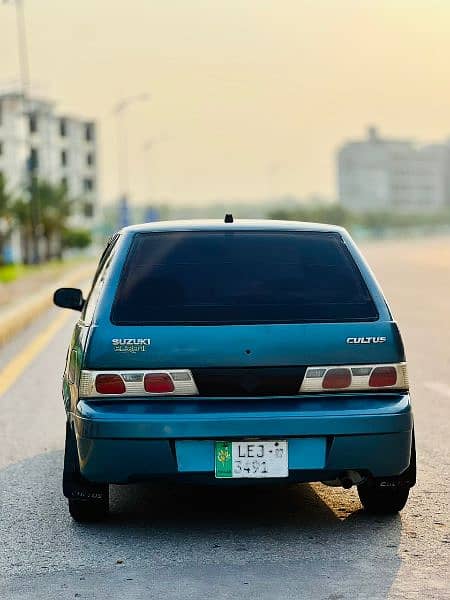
point(61, 149)
point(383, 174)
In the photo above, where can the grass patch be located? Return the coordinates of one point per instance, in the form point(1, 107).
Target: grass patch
point(9, 273)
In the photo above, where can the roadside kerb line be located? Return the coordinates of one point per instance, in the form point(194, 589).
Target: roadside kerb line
point(17, 365)
point(22, 314)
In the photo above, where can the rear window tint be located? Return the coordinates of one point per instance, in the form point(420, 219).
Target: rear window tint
point(238, 277)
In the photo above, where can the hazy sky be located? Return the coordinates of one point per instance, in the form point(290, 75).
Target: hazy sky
point(250, 98)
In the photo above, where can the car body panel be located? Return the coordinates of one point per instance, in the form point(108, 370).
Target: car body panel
point(310, 458)
point(121, 440)
point(201, 417)
point(244, 345)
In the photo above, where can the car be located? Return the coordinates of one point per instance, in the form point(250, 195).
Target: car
point(235, 352)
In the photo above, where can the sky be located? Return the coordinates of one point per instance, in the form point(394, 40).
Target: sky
point(248, 98)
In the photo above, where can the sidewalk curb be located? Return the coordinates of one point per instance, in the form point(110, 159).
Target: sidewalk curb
point(16, 318)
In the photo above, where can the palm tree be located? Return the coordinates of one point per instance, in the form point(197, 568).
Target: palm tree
point(6, 202)
point(43, 216)
point(55, 208)
point(22, 216)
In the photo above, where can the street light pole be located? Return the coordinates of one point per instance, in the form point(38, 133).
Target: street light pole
point(147, 148)
point(122, 141)
point(122, 154)
point(23, 47)
point(24, 68)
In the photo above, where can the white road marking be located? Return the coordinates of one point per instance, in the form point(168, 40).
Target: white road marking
point(440, 388)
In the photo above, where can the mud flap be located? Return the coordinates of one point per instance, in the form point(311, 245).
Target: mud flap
point(407, 479)
point(74, 485)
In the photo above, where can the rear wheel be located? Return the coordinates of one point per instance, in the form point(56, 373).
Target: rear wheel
point(389, 495)
point(88, 510)
point(378, 500)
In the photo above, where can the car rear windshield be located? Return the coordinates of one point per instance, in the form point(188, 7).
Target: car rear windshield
point(236, 277)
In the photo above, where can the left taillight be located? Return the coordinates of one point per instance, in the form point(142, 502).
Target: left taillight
point(109, 383)
point(98, 384)
point(355, 378)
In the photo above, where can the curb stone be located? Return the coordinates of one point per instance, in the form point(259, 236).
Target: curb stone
point(17, 317)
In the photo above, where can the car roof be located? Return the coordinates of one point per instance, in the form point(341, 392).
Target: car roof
point(238, 224)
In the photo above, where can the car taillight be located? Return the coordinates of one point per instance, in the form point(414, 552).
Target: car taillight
point(355, 378)
point(336, 379)
point(97, 384)
point(383, 377)
point(158, 383)
point(108, 383)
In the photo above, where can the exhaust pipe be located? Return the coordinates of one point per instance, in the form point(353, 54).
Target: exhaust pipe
point(346, 479)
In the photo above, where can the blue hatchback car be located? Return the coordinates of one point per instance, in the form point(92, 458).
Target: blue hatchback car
point(232, 352)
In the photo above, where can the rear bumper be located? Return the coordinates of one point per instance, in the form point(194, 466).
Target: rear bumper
point(120, 441)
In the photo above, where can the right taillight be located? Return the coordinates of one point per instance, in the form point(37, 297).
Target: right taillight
point(355, 378)
point(337, 379)
point(383, 377)
point(158, 383)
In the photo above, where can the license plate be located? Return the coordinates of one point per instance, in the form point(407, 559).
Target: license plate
point(251, 459)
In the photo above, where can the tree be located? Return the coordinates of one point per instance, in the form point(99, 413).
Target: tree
point(374, 221)
point(6, 203)
point(22, 216)
point(45, 216)
point(334, 214)
point(77, 238)
point(54, 210)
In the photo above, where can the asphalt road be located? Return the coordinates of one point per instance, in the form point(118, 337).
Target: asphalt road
point(204, 543)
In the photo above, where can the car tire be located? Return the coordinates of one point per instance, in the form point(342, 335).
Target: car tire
point(389, 495)
point(88, 510)
point(383, 501)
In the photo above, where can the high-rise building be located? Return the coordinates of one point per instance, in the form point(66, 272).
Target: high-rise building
point(62, 149)
point(384, 174)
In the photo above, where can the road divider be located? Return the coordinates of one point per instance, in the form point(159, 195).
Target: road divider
point(16, 318)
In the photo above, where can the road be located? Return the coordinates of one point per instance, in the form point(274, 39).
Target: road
point(306, 542)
